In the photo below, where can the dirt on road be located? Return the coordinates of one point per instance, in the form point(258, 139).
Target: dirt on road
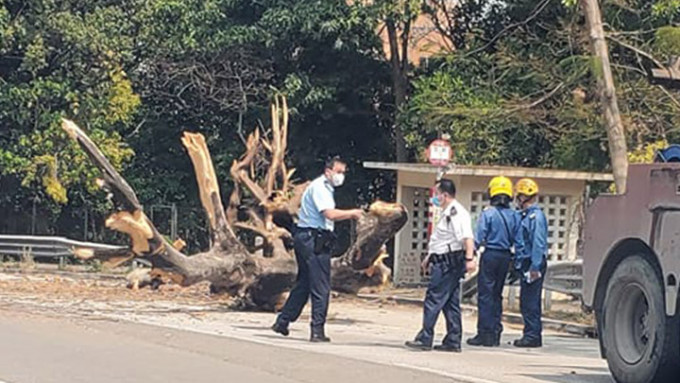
point(361, 329)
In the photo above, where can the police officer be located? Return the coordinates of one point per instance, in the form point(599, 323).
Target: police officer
point(531, 263)
point(497, 233)
point(313, 242)
point(450, 255)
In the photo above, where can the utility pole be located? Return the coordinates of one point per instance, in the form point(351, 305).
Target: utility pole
point(602, 71)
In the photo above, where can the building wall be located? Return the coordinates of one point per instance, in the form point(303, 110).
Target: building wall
point(425, 40)
point(560, 199)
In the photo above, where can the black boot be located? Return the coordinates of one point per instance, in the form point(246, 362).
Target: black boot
point(280, 329)
point(527, 343)
point(447, 348)
point(497, 340)
point(418, 345)
point(318, 336)
point(486, 340)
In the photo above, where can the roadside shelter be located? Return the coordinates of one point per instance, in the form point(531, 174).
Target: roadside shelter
point(562, 194)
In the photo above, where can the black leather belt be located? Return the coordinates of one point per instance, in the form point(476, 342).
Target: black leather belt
point(324, 240)
point(451, 258)
point(311, 229)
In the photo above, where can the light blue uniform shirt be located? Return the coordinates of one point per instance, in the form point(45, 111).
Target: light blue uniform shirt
point(535, 234)
point(499, 229)
point(317, 197)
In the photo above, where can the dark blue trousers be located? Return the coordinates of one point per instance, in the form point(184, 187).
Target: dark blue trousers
point(443, 294)
point(493, 269)
point(313, 279)
point(530, 306)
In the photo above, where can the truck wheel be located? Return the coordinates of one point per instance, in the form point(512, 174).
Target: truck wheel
point(641, 342)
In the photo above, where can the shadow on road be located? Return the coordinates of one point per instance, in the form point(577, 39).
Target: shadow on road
point(571, 378)
point(571, 346)
point(374, 344)
point(257, 328)
point(600, 370)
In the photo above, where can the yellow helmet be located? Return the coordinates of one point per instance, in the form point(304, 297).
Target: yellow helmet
point(526, 186)
point(500, 185)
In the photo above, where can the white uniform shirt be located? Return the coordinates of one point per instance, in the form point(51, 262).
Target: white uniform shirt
point(454, 226)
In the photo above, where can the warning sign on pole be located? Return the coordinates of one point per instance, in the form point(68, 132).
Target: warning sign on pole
point(439, 153)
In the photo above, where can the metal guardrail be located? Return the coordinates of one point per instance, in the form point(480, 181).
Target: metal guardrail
point(48, 247)
point(565, 277)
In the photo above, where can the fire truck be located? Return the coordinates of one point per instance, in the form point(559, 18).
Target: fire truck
point(631, 267)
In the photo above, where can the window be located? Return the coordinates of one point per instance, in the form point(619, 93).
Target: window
point(411, 255)
point(555, 208)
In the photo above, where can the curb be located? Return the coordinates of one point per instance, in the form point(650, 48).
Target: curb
point(584, 331)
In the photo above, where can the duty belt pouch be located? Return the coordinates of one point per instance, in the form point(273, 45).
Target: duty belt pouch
point(324, 241)
point(457, 258)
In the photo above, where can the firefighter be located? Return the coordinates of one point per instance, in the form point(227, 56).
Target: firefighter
point(497, 234)
point(531, 263)
point(450, 255)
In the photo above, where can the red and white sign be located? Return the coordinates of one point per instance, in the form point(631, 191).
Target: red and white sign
point(439, 153)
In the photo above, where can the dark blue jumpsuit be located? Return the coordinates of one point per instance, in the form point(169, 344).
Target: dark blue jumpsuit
point(498, 232)
point(534, 229)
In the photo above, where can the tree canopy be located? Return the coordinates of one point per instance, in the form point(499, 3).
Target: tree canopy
point(514, 85)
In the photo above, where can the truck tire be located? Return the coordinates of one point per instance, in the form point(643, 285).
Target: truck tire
point(641, 343)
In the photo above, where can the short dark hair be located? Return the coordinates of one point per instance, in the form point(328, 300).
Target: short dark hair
point(331, 161)
point(501, 200)
point(446, 186)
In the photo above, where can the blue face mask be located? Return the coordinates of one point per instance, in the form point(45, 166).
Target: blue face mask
point(435, 201)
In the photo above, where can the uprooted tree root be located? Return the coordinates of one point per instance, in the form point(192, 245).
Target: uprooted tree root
point(258, 277)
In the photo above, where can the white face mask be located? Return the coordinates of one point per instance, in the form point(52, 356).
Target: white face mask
point(337, 179)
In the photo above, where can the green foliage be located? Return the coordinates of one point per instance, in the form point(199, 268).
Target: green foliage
point(667, 40)
point(35, 58)
point(529, 97)
point(665, 8)
point(61, 60)
point(135, 74)
point(644, 154)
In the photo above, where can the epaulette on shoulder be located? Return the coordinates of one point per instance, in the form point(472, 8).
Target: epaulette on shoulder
point(452, 213)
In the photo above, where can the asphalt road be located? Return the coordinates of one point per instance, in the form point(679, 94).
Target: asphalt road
point(38, 348)
point(62, 331)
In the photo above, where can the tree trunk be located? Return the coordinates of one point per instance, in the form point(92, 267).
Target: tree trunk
point(257, 281)
point(605, 86)
point(399, 85)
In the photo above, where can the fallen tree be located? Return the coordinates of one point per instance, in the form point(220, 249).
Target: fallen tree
point(258, 275)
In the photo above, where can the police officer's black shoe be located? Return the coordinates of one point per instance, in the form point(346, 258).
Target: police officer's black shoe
point(319, 339)
point(482, 340)
point(418, 345)
point(447, 348)
point(280, 329)
point(318, 336)
point(527, 343)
